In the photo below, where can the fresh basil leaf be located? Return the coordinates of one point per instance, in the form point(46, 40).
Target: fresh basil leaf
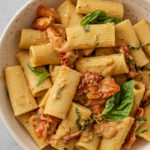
point(96, 44)
point(98, 17)
point(115, 20)
point(92, 17)
point(119, 105)
point(86, 28)
point(139, 46)
point(86, 122)
point(65, 148)
point(40, 73)
point(142, 131)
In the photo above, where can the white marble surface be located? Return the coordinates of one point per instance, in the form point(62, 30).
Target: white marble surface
point(8, 8)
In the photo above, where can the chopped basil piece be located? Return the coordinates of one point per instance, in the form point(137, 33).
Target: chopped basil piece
point(86, 122)
point(95, 118)
point(138, 47)
point(86, 28)
point(142, 131)
point(146, 68)
point(37, 115)
point(59, 90)
point(96, 44)
point(65, 148)
point(42, 74)
point(142, 121)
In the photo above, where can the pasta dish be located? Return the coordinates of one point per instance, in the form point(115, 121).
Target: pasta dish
point(83, 79)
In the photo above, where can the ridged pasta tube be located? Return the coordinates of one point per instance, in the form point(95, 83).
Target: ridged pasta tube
point(102, 35)
point(112, 8)
point(138, 92)
point(37, 91)
point(68, 126)
point(116, 142)
point(62, 93)
point(30, 37)
point(126, 34)
point(43, 55)
point(21, 98)
point(104, 65)
point(88, 142)
point(146, 126)
point(142, 30)
point(68, 15)
point(24, 120)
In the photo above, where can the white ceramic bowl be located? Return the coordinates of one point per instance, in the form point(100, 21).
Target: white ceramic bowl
point(135, 10)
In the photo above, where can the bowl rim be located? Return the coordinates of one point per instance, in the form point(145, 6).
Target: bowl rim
point(7, 125)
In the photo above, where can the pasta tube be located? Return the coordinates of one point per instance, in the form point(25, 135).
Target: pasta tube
point(142, 30)
point(102, 35)
point(116, 142)
point(43, 55)
point(44, 99)
point(68, 126)
point(88, 52)
point(37, 91)
point(103, 65)
point(68, 15)
point(54, 70)
point(125, 33)
point(138, 92)
point(104, 51)
point(21, 98)
point(24, 120)
point(146, 125)
point(62, 93)
point(88, 141)
point(30, 37)
point(112, 8)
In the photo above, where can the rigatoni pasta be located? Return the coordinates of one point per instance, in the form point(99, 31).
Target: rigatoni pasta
point(60, 99)
point(88, 141)
point(116, 142)
point(112, 8)
point(103, 65)
point(30, 37)
point(125, 33)
point(68, 15)
point(43, 55)
point(104, 51)
point(99, 36)
point(142, 30)
point(138, 92)
point(24, 120)
point(68, 126)
point(37, 91)
point(21, 98)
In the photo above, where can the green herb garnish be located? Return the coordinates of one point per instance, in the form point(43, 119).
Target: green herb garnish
point(59, 90)
point(119, 105)
point(142, 131)
point(141, 78)
point(95, 118)
point(86, 122)
point(142, 121)
point(146, 68)
point(86, 28)
point(96, 44)
point(98, 17)
point(65, 148)
point(42, 74)
point(138, 47)
point(37, 115)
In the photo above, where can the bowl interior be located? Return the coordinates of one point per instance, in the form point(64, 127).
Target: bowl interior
point(135, 10)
